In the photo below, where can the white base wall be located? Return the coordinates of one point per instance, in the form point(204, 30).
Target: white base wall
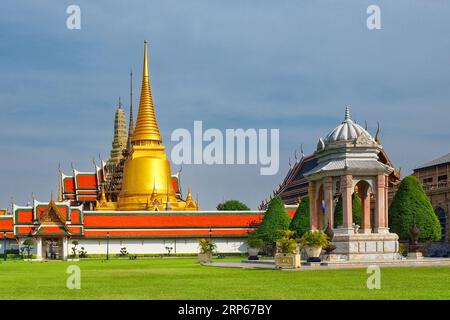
point(10, 244)
point(157, 246)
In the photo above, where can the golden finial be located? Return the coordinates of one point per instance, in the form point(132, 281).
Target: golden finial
point(146, 131)
point(189, 195)
point(60, 197)
point(103, 195)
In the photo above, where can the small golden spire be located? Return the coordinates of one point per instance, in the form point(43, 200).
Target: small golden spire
point(146, 131)
point(189, 195)
point(103, 195)
point(60, 197)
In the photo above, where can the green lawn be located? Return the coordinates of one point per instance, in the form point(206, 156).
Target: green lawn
point(183, 278)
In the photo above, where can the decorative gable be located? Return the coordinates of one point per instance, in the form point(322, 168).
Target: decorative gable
point(52, 215)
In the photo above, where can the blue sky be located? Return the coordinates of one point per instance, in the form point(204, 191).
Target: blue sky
point(291, 65)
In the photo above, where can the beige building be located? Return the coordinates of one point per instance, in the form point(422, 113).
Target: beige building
point(434, 176)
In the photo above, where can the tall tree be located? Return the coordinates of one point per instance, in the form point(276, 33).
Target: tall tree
point(411, 204)
point(232, 205)
point(275, 220)
point(300, 222)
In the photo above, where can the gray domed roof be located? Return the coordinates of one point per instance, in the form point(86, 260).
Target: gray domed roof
point(346, 131)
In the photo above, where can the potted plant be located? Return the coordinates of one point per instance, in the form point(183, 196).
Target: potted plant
point(82, 253)
point(123, 252)
point(207, 248)
point(255, 243)
point(313, 242)
point(287, 255)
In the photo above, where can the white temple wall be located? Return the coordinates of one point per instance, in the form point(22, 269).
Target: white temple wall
point(10, 244)
point(158, 246)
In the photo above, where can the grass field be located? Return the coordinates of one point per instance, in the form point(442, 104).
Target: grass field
point(183, 278)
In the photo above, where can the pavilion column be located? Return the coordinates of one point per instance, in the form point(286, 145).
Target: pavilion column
point(386, 188)
point(39, 248)
point(319, 212)
point(65, 244)
point(365, 208)
point(380, 205)
point(346, 192)
point(312, 205)
point(328, 198)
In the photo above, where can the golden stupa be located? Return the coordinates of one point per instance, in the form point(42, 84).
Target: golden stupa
point(147, 183)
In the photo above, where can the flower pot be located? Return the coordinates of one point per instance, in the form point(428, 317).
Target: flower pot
point(287, 260)
point(313, 252)
point(204, 257)
point(253, 253)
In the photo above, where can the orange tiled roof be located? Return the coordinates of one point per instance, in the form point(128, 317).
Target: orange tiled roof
point(117, 220)
point(167, 233)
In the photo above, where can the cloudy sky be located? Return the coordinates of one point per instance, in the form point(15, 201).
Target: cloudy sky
point(291, 65)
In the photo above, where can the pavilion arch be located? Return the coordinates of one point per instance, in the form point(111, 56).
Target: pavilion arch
point(365, 191)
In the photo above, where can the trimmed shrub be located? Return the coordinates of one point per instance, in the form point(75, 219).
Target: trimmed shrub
point(300, 222)
point(411, 203)
point(276, 219)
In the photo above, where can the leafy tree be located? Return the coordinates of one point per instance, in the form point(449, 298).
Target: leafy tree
point(74, 248)
point(300, 222)
point(207, 246)
point(411, 203)
point(275, 220)
point(232, 205)
point(28, 246)
point(356, 209)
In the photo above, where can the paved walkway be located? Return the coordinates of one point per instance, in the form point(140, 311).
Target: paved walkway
point(270, 264)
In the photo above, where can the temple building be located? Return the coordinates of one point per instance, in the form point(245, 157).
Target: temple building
point(137, 175)
point(131, 201)
point(434, 176)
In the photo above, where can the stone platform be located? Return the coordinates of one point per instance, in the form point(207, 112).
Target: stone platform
point(327, 265)
point(382, 245)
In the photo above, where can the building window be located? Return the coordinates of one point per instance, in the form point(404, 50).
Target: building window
point(442, 178)
point(428, 180)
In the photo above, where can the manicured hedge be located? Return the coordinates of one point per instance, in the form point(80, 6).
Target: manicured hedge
point(411, 204)
point(300, 222)
point(275, 220)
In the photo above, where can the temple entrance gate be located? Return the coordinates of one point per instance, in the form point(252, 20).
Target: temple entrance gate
point(52, 249)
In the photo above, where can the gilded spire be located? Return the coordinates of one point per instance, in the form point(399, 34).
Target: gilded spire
point(131, 121)
point(146, 131)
